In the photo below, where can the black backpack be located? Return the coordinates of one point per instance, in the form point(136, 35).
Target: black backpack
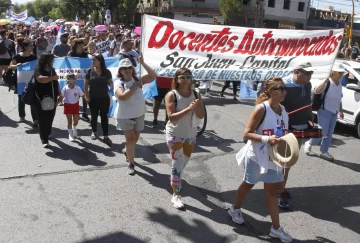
point(318, 100)
point(10, 79)
point(3, 49)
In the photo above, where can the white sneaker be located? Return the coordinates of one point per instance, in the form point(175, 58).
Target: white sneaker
point(236, 215)
point(327, 156)
point(307, 147)
point(176, 200)
point(74, 131)
point(71, 138)
point(280, 234)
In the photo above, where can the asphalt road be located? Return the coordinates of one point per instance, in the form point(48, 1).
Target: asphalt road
point(80, 192)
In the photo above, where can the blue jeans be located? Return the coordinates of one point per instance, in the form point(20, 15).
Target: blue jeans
point(327, 121)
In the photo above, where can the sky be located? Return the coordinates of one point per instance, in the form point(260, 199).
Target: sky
point(340, 5)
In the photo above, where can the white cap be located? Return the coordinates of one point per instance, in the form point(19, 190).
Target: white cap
point(304, 66)
point(338, 67)
point(125, 63)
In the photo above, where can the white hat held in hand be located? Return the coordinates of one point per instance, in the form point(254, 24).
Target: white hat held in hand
point(285, 154)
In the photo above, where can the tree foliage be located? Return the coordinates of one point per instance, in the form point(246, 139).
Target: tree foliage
point(230, 9)
point(4, 5)
point(121, 10)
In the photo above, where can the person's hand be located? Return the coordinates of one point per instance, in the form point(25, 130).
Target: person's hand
point(141, 60)
point(341, 115)
point(192, 106)
point(19, 64)
point(87, 100)
point(59, 100)
point(55, 77)
point(274, 140)
point(312, 118)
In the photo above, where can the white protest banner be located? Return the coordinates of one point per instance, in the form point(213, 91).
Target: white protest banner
point(218, 52)
point(103, 47)
point(19, 17)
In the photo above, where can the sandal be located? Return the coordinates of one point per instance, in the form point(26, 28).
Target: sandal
point(108, 141)
point(93, 136)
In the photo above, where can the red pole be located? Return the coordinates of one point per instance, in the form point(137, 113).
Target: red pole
point(302, 108)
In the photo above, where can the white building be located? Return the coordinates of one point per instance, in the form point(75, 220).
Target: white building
point(288, 13)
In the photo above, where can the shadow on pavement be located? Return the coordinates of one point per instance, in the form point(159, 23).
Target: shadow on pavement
point(5, 121)
point(210, 139)
point(349, 165)
point(116, 238)
point(81, 157)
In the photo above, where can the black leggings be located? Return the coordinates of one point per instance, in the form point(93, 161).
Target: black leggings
point(21, 109)
point(100, 105)
point(46, 119)
point(227, 85)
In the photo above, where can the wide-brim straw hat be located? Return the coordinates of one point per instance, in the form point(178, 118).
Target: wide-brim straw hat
point(285, 154)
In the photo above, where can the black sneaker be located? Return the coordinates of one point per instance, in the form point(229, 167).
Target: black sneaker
point(131, 169)
point(155, 124)
point(85, 117)
point(35, 124)
point(283, 201)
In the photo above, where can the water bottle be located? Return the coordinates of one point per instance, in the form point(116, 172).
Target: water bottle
point(278, 131)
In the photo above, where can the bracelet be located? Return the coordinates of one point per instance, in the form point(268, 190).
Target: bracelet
point(265, 139)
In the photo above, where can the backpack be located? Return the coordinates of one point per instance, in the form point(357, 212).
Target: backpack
point(175, 99)
point(3, 49)
point(10, 79)
point(318, 100)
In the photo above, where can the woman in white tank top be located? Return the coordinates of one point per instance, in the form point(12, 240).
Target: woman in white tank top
point(260, 129)
point(182, 109)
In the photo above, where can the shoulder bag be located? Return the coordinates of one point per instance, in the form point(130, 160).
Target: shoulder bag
point(47, 102)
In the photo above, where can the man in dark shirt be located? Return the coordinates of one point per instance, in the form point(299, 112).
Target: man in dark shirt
point(298, 95)
point(62, 49)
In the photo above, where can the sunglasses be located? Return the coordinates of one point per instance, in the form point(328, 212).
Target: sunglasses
point(125, 68)
point(185, 77)
point(281, 88)
point(307, 73)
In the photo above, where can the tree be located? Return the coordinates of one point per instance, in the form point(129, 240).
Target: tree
point(129, 8)
point(230, 9)
point(4, 5)
point(55, 13)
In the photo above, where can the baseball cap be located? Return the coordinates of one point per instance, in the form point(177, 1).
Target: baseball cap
point(304, 66)
point(338, 67)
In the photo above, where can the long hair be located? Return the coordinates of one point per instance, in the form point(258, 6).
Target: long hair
point(180, 71)
point(101, 59)
point(45, 61)
point(76, 43)
point(268, 84)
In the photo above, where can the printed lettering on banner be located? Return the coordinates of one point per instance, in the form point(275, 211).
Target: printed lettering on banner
point(103, 47)
point(218, 52)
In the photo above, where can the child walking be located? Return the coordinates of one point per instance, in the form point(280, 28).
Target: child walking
point(72, 93)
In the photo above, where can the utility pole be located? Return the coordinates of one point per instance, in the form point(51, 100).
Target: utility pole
point(352, 23)
point(159, 4)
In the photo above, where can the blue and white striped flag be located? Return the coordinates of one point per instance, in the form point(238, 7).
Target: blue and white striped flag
point(78, 66)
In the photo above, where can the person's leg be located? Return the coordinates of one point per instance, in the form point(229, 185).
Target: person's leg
point(104, 110)
point(235, 85)
point(34, 115)
point(227, 84)
point(94, 111)
point(156, 108)
point(328, 130)
point(42, 124)
point(84, 109)
point(69, 121)
point(241, 194)
point(131, 138)
point(272, 203)
point(188, 147)
point(21, 108)
point(76, 122)
point(175, 146)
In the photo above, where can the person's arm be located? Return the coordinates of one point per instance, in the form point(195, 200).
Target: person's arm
point(123, 95)
point(109, 77)
point(150, 76)
point(321, 87)
point(341, 113)
point(199, 111)
point(253, 123)
point(45, 79)
point(171, 109)
point(86, 87)
point(13, 65)
point(69, 54)
point(61, 94)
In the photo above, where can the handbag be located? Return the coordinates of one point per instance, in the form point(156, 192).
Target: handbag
point(27, 95)
point(47, 102)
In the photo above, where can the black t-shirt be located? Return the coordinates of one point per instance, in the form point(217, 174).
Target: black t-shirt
point(84, 54)
point(22, 59)
point(98, 84)
point(43, 89)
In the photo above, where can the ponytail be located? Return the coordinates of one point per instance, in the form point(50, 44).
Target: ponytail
point(264, 96)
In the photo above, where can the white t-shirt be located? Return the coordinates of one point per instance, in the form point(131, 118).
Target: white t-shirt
point(116, 47)
point(71, 96)
point(333, 97)
point(133, 107)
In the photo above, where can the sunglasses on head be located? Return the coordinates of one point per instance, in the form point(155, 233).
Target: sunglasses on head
point(185, 77)
point(281, 88)
point(126, 68)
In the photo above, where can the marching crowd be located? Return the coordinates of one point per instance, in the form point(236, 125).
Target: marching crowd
point(183, 108)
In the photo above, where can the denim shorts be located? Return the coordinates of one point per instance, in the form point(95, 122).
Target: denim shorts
point(252, 174)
